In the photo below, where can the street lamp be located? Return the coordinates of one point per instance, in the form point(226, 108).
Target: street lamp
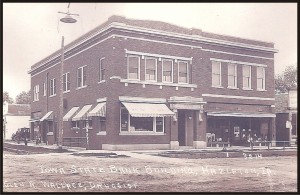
point(67, 19)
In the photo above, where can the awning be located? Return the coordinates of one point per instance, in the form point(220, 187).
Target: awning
point(34, 120)
point(47, 116)
point(69, 115)
point(148, 110)
point(99, 110)
point(82, 113)
point(241, 114)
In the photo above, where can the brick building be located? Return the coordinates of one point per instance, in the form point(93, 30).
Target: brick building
point(137, 84)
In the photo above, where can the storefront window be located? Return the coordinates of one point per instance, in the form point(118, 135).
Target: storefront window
point(124, 119)
point(75, 124)
point(159, 124)
point(141, 124)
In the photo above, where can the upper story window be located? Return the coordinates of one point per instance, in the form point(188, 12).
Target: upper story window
point(66, 82)
point(36, 93)
point(101, 70)
point(232, 75)
point(52, 87)
point(45, 89)
point(246, 77)
point(182, 72)
point(81, 76)
point(133, 64)
point(216, 74)
point(150, 69)
point(167, 71)
point(261, 78)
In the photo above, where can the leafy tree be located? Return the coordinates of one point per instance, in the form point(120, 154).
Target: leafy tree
point(23, 97)
point(7, 98)
point(286, 80)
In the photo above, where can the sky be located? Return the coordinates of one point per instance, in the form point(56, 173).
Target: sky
point(32, 31)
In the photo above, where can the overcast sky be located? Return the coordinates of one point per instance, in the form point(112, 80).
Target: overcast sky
point(32, 31)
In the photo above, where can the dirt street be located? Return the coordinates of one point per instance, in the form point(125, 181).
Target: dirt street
point(134, 172)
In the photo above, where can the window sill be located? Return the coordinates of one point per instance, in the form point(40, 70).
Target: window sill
point(52, 95)
point(35, 100)
point(50, 133)
point(101, 133)
point(158, 83)
point(90, 128)
point(232, 88)
point(220, 87)
point(261, 90)
point(75, 128)
point(81, 87)
point(248, 89)
point(141, 133)
point(66, 91)
point(103, 81)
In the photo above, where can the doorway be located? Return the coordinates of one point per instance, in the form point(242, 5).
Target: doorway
point(181, 128)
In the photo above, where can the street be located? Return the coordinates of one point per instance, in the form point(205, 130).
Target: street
point(142, 172)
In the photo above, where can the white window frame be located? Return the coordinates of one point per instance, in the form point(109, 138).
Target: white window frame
point(52, 91)
point(220, 75)
point(264, 79)
point(250, 78)
point(76, 126)
point(82, 86)
point(139, 67)
point(101, 60)
point(162, 72)
point(45, 89)
point(187, 71)
point(67, 75)
point(36, 93)
point(142, 132)
point(235, 75)
point(151, 58)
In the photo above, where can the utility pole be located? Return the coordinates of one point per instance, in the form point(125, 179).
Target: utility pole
point(61, 97)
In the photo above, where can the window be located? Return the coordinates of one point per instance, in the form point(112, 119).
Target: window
point(45, 89)
point(150, 69)
point(182, 72)
point(81, 77)
point(101, 70)
point(102, 125)
point(261, 78)
point(52, 87)
point(89, 122)
point(140, 124)
point(75, 124)
point(36, 93)
point(246, 77)
point(167, 71)
point(133, 63)
point(66, 82)
point(216, 74)
point(232, 75)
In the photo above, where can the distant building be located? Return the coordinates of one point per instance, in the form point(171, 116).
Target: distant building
point(139, 84)
point(286, 116)
point(15, 116)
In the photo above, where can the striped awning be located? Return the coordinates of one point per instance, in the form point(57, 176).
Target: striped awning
point(69, 115)
point(82, 113)
point(148, 109)
point(241, 114)
point(47, 116)
point(34, 120)
point(99, 110)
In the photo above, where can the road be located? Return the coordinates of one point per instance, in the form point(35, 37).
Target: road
point(135, 172)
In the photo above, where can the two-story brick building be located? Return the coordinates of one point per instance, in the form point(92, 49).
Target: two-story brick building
point(141, 84)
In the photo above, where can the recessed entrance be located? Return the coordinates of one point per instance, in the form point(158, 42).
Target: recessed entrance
point(181, 128)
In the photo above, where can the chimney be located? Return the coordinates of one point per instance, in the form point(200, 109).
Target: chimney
point(116, 18)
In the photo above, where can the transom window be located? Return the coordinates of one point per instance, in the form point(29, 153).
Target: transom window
point(150, 69)
point(261, 78)
point(81, 76)
point(133, 64)
point(182, 72)
point(232, 75)
point(52, 87)
point(167, 67)
point(246, 77)
point(66, 82)
point(101, 70)
point(216, 74)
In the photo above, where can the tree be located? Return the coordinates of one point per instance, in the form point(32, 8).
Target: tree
point(286, 80)
point(7, 98)
point(23, 97)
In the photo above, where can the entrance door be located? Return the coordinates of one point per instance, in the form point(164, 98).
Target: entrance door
point(181, 128)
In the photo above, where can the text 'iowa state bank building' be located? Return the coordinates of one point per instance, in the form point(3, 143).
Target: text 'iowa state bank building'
point(139, 84)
